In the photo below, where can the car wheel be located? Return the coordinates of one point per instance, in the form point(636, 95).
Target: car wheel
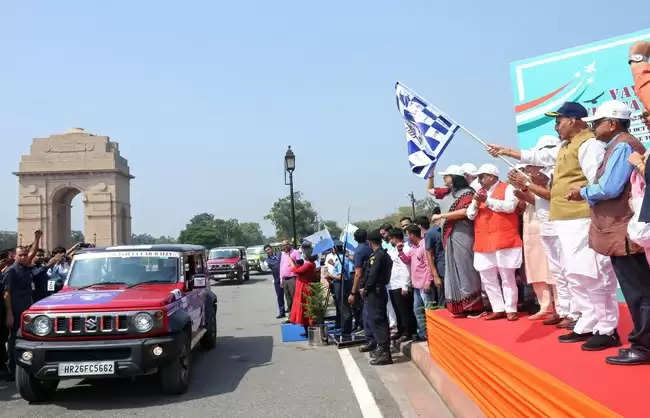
point(209, 339)
point(248, 275)
point(240, 276)
point(175, 375)
point(33, 389)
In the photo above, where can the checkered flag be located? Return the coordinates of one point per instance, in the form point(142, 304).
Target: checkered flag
point(428, 130)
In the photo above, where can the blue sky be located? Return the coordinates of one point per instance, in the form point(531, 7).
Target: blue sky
point(204, 97)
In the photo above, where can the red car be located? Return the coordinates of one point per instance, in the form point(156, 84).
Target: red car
point(228, 263)
point(123, 311)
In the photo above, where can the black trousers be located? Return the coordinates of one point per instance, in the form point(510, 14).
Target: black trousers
point(403, 305)
point(279, 294)
point(4, 335)
point(376, 301)
point(633, 274)
point(344, 312)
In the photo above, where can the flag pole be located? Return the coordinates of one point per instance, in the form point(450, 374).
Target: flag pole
point(476, 138)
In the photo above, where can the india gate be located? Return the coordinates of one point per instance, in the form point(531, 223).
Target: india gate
point(60, 167)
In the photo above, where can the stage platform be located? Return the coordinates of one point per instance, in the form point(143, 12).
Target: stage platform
point(519, 369)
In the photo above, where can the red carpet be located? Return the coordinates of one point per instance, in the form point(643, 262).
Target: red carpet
point(622, 389)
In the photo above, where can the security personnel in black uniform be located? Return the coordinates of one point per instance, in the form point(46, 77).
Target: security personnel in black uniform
point(377, 277)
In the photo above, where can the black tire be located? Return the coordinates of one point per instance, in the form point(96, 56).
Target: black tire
point(240, 276)
point(209, 339)
point(33, 389)
point(247, 276)
point(175, 375)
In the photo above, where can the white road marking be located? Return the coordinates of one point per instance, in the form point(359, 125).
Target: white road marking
point(367, 403)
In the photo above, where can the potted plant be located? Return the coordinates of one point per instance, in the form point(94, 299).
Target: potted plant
point(315, 309)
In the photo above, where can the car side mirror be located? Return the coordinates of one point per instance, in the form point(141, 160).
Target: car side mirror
point(199, 280)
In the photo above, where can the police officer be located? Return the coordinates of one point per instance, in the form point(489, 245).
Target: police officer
point(374, 288)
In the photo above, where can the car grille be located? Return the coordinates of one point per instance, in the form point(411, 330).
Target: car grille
point(87, 355)
point(90, 324)
point(217, 268)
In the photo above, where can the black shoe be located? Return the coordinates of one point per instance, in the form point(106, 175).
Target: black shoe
point(574, 337)
point(368, 347)
point(287, 322)
point(404, 338)
point(601, 342)
point(628, 358)
point(383, 357)
point(280, 316)
point(375, 353)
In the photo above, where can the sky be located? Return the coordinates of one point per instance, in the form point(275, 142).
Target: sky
point(205, 97)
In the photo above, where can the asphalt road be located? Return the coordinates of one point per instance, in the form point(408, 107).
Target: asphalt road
point(250, 373)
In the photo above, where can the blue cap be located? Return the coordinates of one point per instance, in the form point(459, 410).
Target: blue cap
point(570, 110)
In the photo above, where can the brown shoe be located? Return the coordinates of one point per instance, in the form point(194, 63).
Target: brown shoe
point(539, 315)
point(553, 319)
point(512, 316)
point(495, 315)
point(564, 323)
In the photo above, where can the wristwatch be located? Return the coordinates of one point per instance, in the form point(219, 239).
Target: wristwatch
point(637, 58)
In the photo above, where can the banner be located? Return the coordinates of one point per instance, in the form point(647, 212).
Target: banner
point(590, 75)
point(347, 236)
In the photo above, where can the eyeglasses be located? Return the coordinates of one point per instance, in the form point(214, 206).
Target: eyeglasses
point(593, 125)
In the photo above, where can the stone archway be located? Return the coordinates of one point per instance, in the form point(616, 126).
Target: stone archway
point(60, 167)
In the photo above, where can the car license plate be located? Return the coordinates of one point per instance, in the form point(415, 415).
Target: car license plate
point(87, 368)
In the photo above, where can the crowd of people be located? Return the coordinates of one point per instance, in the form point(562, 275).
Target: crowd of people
point(558, 223)
point(27, 275)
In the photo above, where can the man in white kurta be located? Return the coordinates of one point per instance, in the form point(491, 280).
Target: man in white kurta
point(497, 244)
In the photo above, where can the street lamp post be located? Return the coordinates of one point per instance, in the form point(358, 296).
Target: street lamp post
point(289, 167)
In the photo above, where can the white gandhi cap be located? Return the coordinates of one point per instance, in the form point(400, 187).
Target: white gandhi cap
point(469, 168)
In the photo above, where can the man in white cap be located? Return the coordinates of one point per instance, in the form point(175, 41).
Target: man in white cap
point(497, 243)
point(469, 170)
point(608, 198)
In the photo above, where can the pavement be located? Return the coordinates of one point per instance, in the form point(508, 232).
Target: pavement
point(251, 373)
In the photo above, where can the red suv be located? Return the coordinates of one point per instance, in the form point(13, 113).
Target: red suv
point(123, 311)
point(228, 263)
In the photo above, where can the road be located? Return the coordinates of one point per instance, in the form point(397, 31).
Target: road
point(250, 373)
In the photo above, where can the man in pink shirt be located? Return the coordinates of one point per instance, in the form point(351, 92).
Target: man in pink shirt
point(287, 276)
point(421, 277)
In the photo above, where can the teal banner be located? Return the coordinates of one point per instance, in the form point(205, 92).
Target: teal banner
point(589, 74)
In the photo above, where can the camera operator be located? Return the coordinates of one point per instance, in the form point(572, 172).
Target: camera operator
point(59, 266)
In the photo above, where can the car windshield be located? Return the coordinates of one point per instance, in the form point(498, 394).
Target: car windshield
point(224, 253)
point(127, 270)
point(255, 250)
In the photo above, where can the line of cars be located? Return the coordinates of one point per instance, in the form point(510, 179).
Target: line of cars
point(236, 262)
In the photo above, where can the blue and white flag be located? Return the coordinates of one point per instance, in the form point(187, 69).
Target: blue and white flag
point(347, 236)
point(321, 241)
point(428, 130)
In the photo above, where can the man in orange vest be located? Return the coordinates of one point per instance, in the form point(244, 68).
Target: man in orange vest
point(497, 243)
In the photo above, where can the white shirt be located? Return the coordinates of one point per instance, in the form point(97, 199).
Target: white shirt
point(507, 257)
point(400, 275)
point(507, 205)
point(476, 185)
point(590, 154)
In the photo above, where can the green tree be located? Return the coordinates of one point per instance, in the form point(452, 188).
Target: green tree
point(77, 236)
point(201, 230)
point(8, 240)
point(280, 217)
point(335, 230)
point(251, 234)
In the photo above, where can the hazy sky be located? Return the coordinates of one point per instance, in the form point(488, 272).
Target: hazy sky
point(204, 97)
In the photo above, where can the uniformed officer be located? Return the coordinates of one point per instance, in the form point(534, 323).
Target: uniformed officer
point(377, 277)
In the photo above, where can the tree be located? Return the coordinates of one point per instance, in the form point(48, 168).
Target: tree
point(251, 233)
point(335, 230)
point(148, 239)
point(8, 240)
point(77, 236)
point(280, 217)
point(201, 230)
point(422, 207)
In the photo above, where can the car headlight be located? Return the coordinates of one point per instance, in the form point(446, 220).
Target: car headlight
point(143, 322)
point(41, 326)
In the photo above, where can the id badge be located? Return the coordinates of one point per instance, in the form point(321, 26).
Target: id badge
point(50, 285)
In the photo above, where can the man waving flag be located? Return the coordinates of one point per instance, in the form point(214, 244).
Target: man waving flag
point(428, 130)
